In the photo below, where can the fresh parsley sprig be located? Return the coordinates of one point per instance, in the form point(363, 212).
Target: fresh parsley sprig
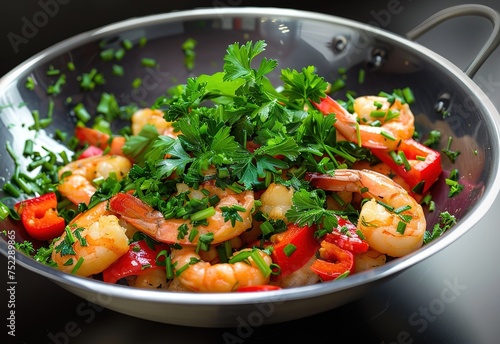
point(309, 208)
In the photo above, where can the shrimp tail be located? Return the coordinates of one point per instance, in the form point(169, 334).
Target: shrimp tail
point(137, 213)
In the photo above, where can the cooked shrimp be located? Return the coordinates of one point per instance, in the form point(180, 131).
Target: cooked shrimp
point(154, 117)
point(276, 201)
point(78, 187)
point(154, 224)
point(396, 121)
point(392, 221)
point(201, 276)
point(93, 239)
point(152, 279)
point(368, 260)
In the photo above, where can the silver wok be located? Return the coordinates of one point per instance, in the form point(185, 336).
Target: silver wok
point(296, 39)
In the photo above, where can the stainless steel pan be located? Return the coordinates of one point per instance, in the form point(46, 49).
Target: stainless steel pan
point(297, 39)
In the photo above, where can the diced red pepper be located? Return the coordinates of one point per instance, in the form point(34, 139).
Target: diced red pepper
point(262, 287)
point(425, 164)
point(138, 260)
point(306, 245)
point(349, 241)
point(40, 218)
point(333, 262)
point(94, 137)
point(90, 151)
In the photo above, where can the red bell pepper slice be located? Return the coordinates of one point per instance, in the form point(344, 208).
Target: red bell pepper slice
point(349, 241)
point(425, 164)
point(333, 262)
point(40, 218)
point(138, 260)
point(304, 242)
point(262, 287)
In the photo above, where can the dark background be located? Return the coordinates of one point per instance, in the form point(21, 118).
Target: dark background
point(54, 20)
point(49, 314)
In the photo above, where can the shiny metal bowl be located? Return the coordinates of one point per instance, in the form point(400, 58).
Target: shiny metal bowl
point(296, 39)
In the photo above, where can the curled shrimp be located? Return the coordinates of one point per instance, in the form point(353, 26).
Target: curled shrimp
point(376, 122)
point(201, 276)
point(392, 221)
point(78, 187)
point(276, 201)
point(92, 241)
point(154, 117)
point(153, 223)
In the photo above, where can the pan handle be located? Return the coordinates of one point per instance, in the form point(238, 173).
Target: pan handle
point(458, 11)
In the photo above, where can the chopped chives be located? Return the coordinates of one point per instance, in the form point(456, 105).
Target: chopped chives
point(192, 234)
point(127, 44)
point(81, 113)
point(28, 147)
point(52, 71)
point(119, 54)
point(11, 189)
point(361, 76)
point(136, 83)
point(402, 156)
point(385, 205)
point(77, 265)
point(419, 188)
point(360, 234)
point(30, 83)
point(432, 206)
point(387, 135)
point(266, 228)
point(162, 253)
point(408, 95)
point(118, 70)
point(378, 113)
point(203, 214)
point(337, 85)
point(395, 157)
point(420, 158)
point(289, 249)
point(4, 211)
point(36, 119)
point(169, 267)
point(358, 134)
point(222, 251)
point(148, 62)
point(401, 227)
point(260, 262)
point(240, 257)
point(392, 114)
point(107, 54)
point(402, 208)
point(60, 135)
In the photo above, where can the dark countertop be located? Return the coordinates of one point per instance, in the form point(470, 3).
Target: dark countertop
point(452, 297)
